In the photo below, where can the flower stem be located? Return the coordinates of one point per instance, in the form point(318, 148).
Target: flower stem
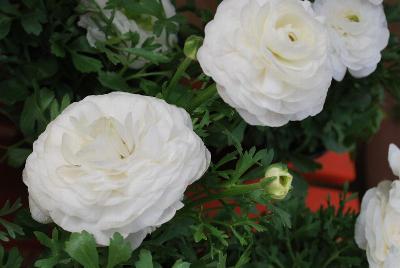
point(203, 96)
point(177, 76)
point(230, 192)
point(139, 75)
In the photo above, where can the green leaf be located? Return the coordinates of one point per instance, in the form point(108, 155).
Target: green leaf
point(145, 259)
point(54, 109)
point(13, 258)
point(7, 209)
point(12, 228)
point(17, 156)
point(119, 251)
point(5, 24)
point(199, 234)
point(55, 246)
point(113, 81)
point(12, 91)
point(30, 116)
point(86, 64)
point(181, 264)
point(31, 22)
point(46, 97)
point(82, 248)
point(65, 102)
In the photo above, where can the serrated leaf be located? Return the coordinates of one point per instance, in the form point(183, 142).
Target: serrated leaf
point(119, 251)
point(12, 228)
point(13, 259)
point(86, 64)
point(82, 248)
point(55, 246)
point(145, 259)
point(199, 234)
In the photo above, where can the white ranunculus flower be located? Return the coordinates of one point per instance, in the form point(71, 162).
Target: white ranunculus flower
point(269, 59)
point(394, 159)
point(358, 31)
point(114, 163)
point(143, 26)
point(377, 227)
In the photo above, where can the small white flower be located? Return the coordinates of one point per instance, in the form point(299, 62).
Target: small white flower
point(358, 31)
point(377, 228)
point(394, 159)
point(92, 22)
point(269, 59)
point(114, 163)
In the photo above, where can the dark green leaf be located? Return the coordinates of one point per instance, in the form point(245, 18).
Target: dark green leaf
point(113, 81)
point(12, 91)
point(86, 64)
point(17, 156)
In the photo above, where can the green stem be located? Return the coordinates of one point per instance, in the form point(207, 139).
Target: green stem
point(333, 257)
point(139, 75)
point(230, 192)
point(177, 76)
point(289, 247)
point(203, 96)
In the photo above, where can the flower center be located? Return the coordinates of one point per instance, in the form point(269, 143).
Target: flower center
point(292, 37)
point(350, 16)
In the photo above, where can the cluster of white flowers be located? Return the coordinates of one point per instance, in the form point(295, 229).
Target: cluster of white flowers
point(121, 162)
point(114, 163)
point(378, 225)
point(273, 60)
point(94, 23)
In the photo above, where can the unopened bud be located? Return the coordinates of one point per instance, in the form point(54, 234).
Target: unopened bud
point(282, 181)
point(192, 45)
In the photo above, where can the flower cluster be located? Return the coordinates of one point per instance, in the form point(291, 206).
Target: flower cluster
point(377, 228)
point(121, 162)
point(273, 60)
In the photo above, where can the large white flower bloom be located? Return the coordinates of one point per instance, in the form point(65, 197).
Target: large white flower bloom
point(377, 227)
point(394, 159)
point(269, 59)
point(114, 163)
point(143, 26)
point(358, 31)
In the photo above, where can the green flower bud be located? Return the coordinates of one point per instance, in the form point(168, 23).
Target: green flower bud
point(192, 45)
point(282, 181)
